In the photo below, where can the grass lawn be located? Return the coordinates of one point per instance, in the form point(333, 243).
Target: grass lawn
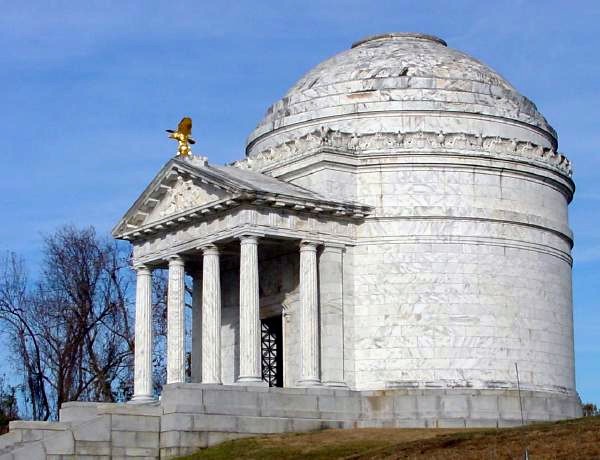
point(572, 439)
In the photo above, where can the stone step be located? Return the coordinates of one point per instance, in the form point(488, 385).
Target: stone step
point(30, 438)
point(9, 439)
point(28, 451)
point(12, 447)
point(9, 449)
point(78, 411)
point(23, 433)
point(36, 430)
point(40, 440)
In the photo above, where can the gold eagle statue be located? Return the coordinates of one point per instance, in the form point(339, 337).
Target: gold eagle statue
point(183, 137)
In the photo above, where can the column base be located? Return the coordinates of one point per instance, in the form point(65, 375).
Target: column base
point(335, 384)
point(251, 381)
point(142, 399)
point(212, 383)
point(309, 383)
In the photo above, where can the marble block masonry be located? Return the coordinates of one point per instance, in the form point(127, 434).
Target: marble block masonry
point(394, 241)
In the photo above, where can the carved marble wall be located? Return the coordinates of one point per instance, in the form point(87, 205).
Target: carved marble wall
point(459, 272)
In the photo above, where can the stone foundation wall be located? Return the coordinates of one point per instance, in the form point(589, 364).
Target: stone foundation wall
point(193, 416)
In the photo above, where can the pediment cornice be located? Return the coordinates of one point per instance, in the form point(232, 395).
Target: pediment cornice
point(187, 191)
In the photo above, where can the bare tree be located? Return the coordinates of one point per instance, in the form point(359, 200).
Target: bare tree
point(19, 325)
point(72, 331)
point(590, 410)
point(8, 405)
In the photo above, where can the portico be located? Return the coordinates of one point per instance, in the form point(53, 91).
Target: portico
point(225, 245)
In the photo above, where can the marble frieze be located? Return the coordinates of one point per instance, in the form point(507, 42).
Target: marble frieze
point(408, 142)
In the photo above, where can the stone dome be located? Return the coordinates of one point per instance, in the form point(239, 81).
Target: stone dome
point(463, 265)
point(402, 74)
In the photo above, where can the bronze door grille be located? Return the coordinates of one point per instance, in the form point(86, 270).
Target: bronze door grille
point(271, 347)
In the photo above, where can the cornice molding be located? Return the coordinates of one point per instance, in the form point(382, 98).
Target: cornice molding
point(213, 210)
point(407, 142)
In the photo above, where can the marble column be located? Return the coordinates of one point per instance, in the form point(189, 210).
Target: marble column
point(211, 316)
point(331, 295)
point(197, 327)
point(142, 386)
point(250, 354)
point(176, 321)
point(309, 315)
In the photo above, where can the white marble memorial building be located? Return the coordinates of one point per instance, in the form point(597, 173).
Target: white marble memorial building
point(399, 223)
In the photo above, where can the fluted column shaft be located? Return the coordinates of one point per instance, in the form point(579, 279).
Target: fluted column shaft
point(250, 355)
point(331, 314)
point(197, 327)
point(142, 386)
point(309, 315)
point(211, 316)
point(176, 322)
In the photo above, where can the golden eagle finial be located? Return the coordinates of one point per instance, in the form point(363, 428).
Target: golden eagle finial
point(183, 136)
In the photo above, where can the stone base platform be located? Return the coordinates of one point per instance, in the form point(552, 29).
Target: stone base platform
point(192, 416)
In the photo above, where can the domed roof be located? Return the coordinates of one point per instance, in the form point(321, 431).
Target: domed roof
point(400, 72)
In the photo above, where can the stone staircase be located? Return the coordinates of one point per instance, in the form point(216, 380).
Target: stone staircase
point(34, 439)
point(87, 431)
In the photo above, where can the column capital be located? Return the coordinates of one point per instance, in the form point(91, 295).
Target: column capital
point(309, 245)
point(142, 269)
point(248, 238)
point(210, 250)
point(175, 259)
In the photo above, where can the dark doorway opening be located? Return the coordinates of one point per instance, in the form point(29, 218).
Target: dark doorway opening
point(272, 351)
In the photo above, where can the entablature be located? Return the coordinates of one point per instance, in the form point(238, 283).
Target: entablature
point(266, 222)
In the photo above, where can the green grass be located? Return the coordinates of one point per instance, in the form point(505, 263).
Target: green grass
point(573, 439)
point(259, 448)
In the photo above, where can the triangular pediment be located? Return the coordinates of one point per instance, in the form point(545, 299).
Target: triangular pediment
point(184, 194)
point(176, 189)
point(190, 189)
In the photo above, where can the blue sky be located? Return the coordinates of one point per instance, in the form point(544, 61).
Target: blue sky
point(87, 89)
